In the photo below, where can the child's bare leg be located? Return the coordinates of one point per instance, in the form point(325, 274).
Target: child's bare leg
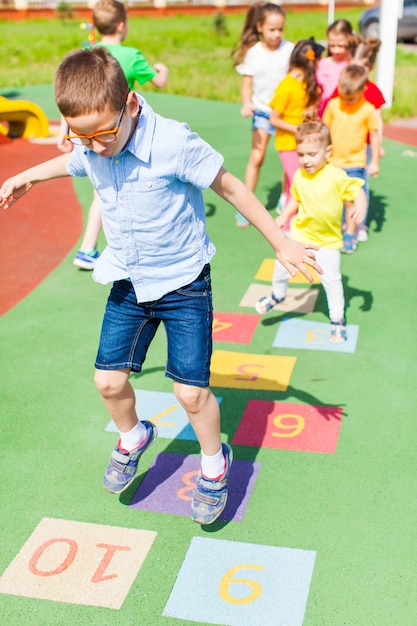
point(135, 436)
point(203, 412)
point(93, 228)
point(256, 158)
point(210, 494)
point(118, 396)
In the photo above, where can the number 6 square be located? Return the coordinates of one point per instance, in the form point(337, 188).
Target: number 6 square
point(241, 584)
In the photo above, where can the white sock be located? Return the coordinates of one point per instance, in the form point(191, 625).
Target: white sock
point(213, 466)
point(133, 438)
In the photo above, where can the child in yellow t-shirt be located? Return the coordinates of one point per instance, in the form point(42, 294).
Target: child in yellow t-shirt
point(296, 96)
point(351, 118)
point(318, 192)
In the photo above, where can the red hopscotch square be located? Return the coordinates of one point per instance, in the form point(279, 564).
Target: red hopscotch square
point(234, 327)
point(287, 426)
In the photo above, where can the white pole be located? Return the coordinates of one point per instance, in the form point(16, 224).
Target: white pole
point(330, 16)
point(388, 26)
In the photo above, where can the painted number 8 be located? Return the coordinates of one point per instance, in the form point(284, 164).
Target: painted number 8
point(292, 429)
point(227, 580)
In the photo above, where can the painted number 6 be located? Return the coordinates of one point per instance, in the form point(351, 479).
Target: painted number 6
point(227, 580)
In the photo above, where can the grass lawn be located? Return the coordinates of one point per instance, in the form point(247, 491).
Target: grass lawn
point(197, 53)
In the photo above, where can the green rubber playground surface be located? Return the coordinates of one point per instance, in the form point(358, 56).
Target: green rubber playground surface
point(320, 530)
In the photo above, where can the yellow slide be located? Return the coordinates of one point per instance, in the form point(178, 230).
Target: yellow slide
point(22, 118)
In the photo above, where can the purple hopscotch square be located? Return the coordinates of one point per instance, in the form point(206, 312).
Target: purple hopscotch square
point(171, 479)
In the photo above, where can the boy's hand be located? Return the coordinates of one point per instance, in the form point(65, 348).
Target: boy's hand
point(13, 189)
point(247, 110)
point(294, 256)
point(373, 169)
point(357, 214)
point(280, 221)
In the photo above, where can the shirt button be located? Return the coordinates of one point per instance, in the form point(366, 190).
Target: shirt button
point(149, 183)
point(126, 235)
point(117, 161)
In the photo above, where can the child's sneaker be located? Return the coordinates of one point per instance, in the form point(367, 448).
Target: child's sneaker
point(210, 496)
point(267, 303)
point(241, 222)
point(282, 201)
point(350, 243)
point(338, 332)
point(123, 466)
point(362, 233)
point(86, 260)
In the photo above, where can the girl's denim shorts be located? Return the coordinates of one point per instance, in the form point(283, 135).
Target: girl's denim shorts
point(260, 121)
point(187, 315)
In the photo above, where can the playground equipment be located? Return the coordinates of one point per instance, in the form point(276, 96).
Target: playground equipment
point(91, 34)
point(23, 119)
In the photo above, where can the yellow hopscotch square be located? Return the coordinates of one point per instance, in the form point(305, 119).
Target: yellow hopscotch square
point(251, 371)
point(78, 562)
point(266, 270)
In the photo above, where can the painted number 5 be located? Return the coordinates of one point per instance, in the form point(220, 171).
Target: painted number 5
point(255, 588)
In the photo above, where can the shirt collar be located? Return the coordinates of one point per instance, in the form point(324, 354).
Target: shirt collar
point(141, 141)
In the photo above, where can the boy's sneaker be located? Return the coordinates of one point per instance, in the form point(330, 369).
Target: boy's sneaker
point(210, 496)
point(338, 332)
point(86, 260)
point(123, 466)
point(350, 243)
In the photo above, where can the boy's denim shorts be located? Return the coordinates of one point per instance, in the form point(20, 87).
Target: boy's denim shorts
point(187, 315)
point(260, 121)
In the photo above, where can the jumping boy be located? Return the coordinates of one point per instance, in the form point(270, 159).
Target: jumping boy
point(149, 173)
point(318, 192)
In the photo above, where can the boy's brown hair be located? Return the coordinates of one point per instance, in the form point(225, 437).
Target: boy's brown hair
point(89, 81)
point(315, 130)
point(107, 15)
point(352, 79)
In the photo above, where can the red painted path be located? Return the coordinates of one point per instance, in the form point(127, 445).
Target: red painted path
point(37, 232)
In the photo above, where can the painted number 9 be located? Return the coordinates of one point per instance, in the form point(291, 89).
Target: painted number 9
point(255, 589)
point(285, 429)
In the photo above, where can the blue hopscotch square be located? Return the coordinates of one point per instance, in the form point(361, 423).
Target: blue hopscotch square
point(241, 584)
point(309, 335)
point(164, 410)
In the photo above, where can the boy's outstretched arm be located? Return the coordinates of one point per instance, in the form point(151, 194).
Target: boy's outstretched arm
point(161, 78)
point(290, 253)
point(15, 187)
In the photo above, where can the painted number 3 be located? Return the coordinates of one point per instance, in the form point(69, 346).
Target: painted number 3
point(254, 589)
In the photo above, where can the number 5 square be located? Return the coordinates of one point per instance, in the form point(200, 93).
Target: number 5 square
point(241, 584)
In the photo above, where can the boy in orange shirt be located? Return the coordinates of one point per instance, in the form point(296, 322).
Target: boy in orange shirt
point(350, 118)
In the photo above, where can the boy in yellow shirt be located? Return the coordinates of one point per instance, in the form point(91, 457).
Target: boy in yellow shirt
point(318, 192)
point(351, 118)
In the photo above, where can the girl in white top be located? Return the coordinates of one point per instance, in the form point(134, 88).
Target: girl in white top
point(262, 58)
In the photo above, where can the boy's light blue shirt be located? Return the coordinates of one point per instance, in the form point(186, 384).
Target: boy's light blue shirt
point(152, 205)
